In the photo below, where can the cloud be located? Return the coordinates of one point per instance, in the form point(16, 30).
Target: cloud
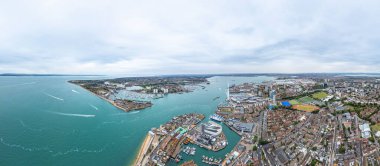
point(178, 37)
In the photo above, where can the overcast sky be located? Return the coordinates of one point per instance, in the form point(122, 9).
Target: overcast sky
point(188, 37)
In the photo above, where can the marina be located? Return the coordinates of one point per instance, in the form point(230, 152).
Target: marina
point(211, 160)
point(189, 150)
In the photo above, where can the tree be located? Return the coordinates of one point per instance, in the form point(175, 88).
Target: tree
point(254, 139)
point(342, 150)
point(263, 142)
point(314, 162)
point(371, 139)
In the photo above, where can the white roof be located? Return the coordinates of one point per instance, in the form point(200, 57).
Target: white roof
point(377, 134)
point(236, 153)
point(366, 134)
point(365, 127)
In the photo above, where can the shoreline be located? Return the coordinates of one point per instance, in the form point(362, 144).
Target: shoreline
point(156, 139)
point(110, 101)
point(139, 157)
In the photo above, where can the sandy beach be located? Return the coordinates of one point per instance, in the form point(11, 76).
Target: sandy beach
point(142, 150)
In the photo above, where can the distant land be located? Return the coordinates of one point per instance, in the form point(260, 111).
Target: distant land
point(210, 75)
point(273, 74)
point(22, 74)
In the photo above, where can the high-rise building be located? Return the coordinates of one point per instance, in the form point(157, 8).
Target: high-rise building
point(272, 96)
point(228, 92)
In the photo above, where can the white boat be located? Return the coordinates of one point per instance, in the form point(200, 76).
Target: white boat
point(217, 118)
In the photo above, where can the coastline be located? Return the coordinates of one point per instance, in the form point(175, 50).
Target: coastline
point(170, 144)
point(140, 154)
point(108, 100)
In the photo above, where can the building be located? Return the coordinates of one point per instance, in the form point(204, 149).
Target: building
point(244, 127)
point(273, 96)
point(165, 90)
point(366, 130)
point(377, 134)
point(228, 92)
point(211, 128)
point(286, 104)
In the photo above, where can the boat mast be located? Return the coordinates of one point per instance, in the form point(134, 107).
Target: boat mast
point(228, 91)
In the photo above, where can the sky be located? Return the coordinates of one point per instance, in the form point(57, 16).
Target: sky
point(142, 37)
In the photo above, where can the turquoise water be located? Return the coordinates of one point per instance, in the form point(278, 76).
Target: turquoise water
point(47, 121)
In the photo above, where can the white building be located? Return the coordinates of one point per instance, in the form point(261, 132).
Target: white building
point(377, 134)
point(366, 130)
point(155, 91)
point(212, 128)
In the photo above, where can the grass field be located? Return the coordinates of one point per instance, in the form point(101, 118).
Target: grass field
point(320, 95)
point(305, 107)
point(376, 127)
point(294, 102)
point(226, 110)
point(306, 99)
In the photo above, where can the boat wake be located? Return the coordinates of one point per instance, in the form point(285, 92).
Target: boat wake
point(30, 149)
point(74, 91)
point(96, 108)
point(55, 97)
point(26, 126)
point(113, 122)
point(76, 115)
point(78, 150)
point(117, 114)
point(125, 113)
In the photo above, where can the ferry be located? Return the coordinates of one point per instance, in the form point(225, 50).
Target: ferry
point(217, 118)
point(216, 98)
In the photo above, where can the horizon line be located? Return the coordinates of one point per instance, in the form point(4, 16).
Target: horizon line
point(183, 74)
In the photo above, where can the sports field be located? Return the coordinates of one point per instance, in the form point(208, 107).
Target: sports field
point(305, 107)
point(294, 102)
point(376, 127)
point(225, 110)
point(306, 99)
point(320, 95)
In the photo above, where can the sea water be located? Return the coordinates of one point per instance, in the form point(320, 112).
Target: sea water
point(48, 121)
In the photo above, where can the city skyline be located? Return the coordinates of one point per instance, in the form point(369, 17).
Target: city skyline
point(188, 37)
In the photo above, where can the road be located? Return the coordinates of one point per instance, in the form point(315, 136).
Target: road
point(332, 150)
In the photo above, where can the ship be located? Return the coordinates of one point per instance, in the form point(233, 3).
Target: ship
point(216, 98)
point(217, 118)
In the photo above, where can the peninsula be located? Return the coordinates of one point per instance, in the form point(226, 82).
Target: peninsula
point(136, 93)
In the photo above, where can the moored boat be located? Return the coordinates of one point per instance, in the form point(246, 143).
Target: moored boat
point(217, 118)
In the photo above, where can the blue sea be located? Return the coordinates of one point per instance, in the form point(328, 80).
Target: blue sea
point(44, 120)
